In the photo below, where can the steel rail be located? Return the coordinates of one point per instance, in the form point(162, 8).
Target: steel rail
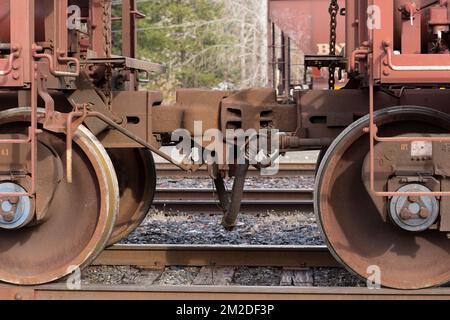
point(285, 170)
point(249, 194)
point(104, 292)
point(254, 201)
point(198, 255)
point(158, 256)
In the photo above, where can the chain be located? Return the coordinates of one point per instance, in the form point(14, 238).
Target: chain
point(333, 10)
point(107, 40)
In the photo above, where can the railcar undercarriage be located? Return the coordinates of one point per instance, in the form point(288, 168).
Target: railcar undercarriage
point(77, 136)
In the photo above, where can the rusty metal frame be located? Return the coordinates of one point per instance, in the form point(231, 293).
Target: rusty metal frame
point(77, 114)
point(32, 139)
point(23, 10)
point(183, 293)
point(373, 128)
point(12, 57)
point(61, 58)
point(97, 19)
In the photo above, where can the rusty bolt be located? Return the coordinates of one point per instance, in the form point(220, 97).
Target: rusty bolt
point(386, 73)
point(425, 213)
point(9, 217)
point(405, 214)
point(16, 75)
point(13, 200)
point(413, 199)
point(118, 120)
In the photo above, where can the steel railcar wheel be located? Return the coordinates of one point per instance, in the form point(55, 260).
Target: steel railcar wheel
point(136, 173)
point(79, 216)
point(352, 226)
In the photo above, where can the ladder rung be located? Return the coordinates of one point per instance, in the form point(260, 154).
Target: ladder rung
point(14, 194)
point(15, 141)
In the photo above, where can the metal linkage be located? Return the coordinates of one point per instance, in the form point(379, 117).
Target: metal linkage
point(12, 57)
point(61, 58)
point(85, 113)
point(333, 10)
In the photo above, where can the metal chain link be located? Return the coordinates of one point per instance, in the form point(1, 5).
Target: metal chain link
point(106, 6)
point(107, 39)
point(333, 10)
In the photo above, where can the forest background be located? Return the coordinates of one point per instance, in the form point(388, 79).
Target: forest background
point(214, 44)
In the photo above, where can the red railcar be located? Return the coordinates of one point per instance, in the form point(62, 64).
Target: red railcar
point(77, 172)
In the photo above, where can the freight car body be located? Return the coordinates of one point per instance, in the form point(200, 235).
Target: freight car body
point(77, 173)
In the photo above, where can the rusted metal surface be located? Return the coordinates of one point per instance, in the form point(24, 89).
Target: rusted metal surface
point(135, 169)
point(166, 170)
point(303, 22)
point(354, 238)
point(134, 111)
point(48, 249)
point(72, 75)
point(294, 24)
point(400, 47)
point(232, 209)
point(197, 255)
point(257, 109)
point(405, 158)
point(60, 292)
point(253, 201)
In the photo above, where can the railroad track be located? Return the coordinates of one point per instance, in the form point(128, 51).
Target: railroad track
point(102, 292)
point(254, 201)
point(155, 256)
point(166, 170)
point(151, 256)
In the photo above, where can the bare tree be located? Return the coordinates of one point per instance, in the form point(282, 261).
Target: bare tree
point(247, 20)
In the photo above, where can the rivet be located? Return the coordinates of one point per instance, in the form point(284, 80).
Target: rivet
point(16, 65)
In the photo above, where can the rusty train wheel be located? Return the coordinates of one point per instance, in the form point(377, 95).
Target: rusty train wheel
point(79, 216)
point(350, 223)
point(136, 173)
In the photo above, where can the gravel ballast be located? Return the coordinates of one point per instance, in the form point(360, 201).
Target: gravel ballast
point(286, 183)
point(297, 228)
point(265, 228)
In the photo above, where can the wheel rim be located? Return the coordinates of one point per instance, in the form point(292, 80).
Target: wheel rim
point(136, 174)
point(80, 219)
point(350, 223)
